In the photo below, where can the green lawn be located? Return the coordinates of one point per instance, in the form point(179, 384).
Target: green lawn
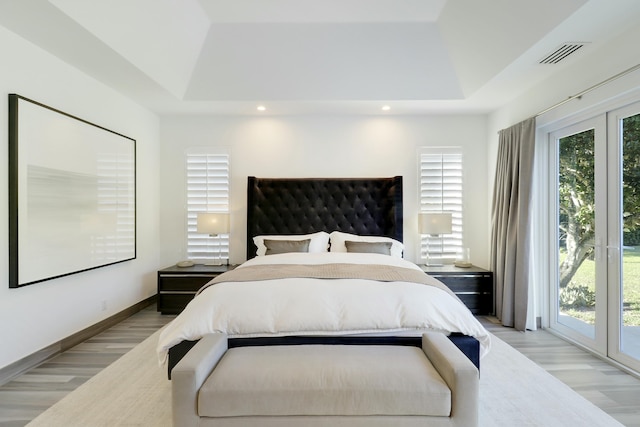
point(631, 286)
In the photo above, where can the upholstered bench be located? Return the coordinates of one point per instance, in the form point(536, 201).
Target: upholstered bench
point(325, 385)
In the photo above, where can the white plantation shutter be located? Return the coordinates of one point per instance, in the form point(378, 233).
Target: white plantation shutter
point(441, 190)
point(207, 191)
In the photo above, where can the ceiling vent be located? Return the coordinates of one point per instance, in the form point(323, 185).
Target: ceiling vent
point(561, 53)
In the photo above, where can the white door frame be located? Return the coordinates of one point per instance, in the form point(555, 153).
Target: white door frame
point(598, 342)
point(614, 242)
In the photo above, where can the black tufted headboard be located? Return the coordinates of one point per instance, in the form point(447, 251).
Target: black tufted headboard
point(364, 206)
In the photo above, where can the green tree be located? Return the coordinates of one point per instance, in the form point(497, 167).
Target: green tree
point(631, 174)
point(576, 201)
point(576, 194)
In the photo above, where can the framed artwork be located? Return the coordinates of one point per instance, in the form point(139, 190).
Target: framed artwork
point(72, 194)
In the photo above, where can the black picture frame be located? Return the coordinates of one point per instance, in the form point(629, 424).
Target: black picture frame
point(72, 194)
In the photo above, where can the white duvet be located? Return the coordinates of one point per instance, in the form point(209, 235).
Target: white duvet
point(305, 306)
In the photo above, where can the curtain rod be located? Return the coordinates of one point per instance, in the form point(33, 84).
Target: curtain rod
point(584, 92)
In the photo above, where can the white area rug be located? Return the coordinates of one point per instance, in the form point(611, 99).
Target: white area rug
point(134, 391)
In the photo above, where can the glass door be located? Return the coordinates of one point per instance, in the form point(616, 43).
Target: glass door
point(595, 299)
point(579, 299)
point(624, 235)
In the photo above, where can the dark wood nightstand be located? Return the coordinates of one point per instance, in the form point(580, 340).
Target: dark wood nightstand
point(473, 285)
point(178, 285)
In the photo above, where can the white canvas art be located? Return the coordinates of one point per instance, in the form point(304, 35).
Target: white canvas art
point(74, 203)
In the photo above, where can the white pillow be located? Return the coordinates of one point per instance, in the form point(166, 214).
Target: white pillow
point(319, 241)
point(338, 238)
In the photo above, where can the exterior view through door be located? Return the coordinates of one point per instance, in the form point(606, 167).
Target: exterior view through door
point(596, 296)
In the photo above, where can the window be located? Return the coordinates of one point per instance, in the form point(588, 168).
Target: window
point(207, 177)
point(441, 190)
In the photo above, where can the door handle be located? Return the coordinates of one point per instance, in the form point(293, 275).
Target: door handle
point(608, 248)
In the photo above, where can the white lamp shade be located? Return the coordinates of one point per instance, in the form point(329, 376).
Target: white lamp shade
point(213, 223)
point(434, 223)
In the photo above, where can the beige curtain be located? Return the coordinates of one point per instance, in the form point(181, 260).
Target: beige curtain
point(511, 216)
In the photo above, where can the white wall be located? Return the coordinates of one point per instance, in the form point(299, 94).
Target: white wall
point(39, 315)
point(323, 146)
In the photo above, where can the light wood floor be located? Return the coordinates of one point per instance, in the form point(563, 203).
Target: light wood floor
point(22, 399)
point(614, 391)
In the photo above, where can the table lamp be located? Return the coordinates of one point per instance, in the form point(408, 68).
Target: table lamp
point(213, 224)
point(434, 224)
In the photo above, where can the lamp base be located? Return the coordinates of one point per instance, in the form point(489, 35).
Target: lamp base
point(434, 261)
point(214, 263)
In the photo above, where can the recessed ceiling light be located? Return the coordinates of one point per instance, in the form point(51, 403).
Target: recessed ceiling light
point(386, 108)
point(261, 108)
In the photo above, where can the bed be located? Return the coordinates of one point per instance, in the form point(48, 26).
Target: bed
point(249, 304)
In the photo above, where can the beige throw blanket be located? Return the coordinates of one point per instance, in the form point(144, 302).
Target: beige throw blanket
point(380, 273)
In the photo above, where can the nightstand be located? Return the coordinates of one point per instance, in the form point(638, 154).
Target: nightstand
point(178, 285)
point(473, 285)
